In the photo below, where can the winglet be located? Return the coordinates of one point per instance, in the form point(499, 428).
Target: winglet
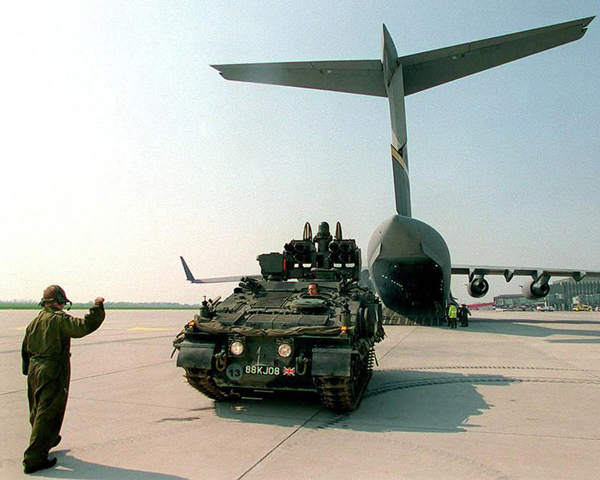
point(234, 278)
point(188, 272)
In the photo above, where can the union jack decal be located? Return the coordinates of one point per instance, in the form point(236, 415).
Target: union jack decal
point(290, 371)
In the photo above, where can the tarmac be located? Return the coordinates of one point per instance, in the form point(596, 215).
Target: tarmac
point(514, 395)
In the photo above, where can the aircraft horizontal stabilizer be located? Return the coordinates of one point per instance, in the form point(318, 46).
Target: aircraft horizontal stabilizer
point(428, 69)
point(354, 76)
point(234, 278)
point(420, 71)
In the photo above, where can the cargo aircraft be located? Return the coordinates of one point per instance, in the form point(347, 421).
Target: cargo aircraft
point(408, 261)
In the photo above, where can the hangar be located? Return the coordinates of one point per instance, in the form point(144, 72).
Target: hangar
point(564, 294)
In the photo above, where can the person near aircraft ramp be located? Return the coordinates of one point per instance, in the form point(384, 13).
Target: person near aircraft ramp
point(463, 314)
point(452, 313)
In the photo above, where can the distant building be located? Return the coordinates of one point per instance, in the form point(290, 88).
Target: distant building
point(570, 293)
point(514, 300)
point(564, 295)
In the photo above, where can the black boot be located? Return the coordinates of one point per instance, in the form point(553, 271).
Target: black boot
point(48, 463)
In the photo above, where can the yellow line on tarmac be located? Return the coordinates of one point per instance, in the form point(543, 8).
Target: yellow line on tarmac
point(133, 329)
point(151, 329)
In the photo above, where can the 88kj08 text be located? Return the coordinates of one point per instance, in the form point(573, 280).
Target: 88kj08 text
point(262, 370)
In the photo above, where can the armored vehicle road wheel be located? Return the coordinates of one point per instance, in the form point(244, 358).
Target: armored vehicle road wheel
point(344, 394)
point(203, 382)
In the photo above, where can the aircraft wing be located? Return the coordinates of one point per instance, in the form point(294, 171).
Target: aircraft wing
point(233, 278)
point(509, 272)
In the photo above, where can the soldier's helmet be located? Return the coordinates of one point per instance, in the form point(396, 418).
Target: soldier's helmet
point(54, 293)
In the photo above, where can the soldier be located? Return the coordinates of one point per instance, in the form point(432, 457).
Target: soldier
point(463, 314)
point(46, 362)
point(452, 312)
point(313, 289)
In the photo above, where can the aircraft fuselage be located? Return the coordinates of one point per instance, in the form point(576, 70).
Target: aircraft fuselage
point(409, 266)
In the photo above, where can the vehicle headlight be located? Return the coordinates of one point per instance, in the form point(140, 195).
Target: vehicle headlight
point(236, 348)
point(284, 350)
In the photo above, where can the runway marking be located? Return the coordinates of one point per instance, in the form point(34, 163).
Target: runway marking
point(152, 329)
point(132, 329)
point(475, 380)
point(346, 416)
point(100, 375)
point(137, 404)
point(480, 367)
point(401, 340)
point(95, 342)
point(279, 444)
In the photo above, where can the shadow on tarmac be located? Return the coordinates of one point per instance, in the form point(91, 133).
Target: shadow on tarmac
point(537, 328)
point(396, 401)
point(71, 467)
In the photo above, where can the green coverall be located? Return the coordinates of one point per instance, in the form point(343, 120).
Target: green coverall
point(46, 362)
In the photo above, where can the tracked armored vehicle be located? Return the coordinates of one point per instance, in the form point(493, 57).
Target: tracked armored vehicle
point(305, 325)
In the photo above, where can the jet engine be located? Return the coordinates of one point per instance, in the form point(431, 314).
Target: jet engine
point(536, 290)
point(478, 287)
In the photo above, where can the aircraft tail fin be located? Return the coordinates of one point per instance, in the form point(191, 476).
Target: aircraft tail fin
point(396, 77)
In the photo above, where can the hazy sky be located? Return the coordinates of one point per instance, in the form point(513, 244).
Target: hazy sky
point(122, 149)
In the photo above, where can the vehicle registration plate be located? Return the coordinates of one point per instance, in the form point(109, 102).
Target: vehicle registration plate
point(262, 370)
